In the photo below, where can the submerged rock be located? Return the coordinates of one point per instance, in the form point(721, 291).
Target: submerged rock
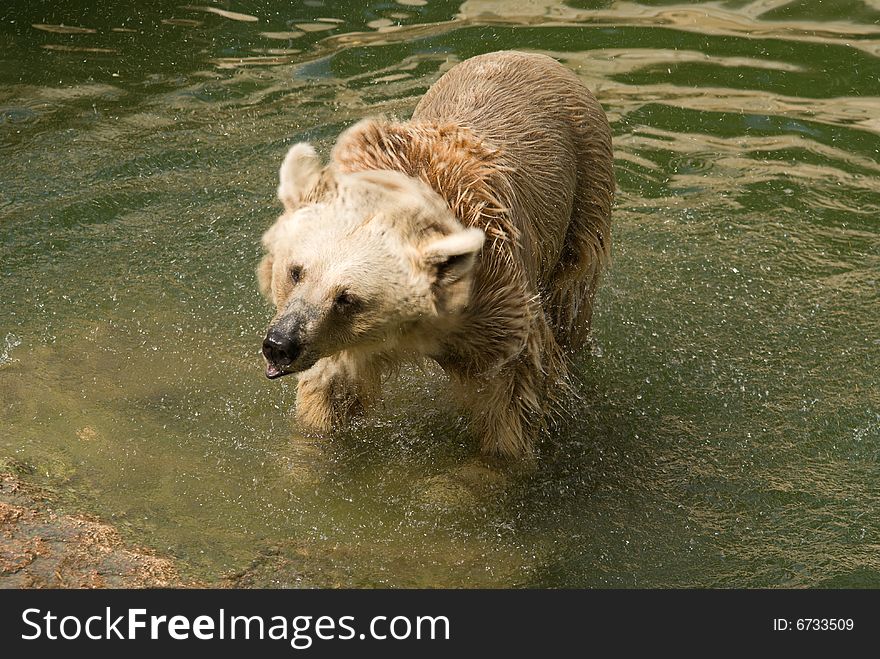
point(43, 549)
point(470, 484)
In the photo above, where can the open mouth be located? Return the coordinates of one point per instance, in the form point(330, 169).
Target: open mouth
point(273, 371)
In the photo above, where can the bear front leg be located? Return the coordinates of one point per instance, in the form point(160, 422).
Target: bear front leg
point(505, 413)
point(334, 390)
point(511, 407)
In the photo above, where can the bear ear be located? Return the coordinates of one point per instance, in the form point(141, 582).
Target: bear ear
point(452, 257)
point(299, 175)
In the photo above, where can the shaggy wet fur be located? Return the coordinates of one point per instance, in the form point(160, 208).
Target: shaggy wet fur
point(517, 147)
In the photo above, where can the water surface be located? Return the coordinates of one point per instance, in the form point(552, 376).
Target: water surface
point(730, 429)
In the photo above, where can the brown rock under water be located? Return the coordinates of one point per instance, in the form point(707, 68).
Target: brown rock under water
point(43, 549)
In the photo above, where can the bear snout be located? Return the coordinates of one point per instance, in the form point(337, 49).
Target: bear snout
point(280, 350)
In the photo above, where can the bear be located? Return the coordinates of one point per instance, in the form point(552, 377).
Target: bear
point(473, 234)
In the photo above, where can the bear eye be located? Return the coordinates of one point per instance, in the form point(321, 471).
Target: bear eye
point(345, 300)
point(296, 272)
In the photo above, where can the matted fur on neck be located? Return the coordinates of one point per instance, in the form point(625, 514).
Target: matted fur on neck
point(451, 159)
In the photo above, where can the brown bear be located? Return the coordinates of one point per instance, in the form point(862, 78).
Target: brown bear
point(473, 234)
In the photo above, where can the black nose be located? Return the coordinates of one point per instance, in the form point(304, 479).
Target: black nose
point(280, 349)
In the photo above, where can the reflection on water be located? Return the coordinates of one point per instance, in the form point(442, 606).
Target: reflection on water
point(730, 433)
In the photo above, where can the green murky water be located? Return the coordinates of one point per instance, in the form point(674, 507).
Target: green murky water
point(730, 432)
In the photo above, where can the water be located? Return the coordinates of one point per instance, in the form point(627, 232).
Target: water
point(730, 430)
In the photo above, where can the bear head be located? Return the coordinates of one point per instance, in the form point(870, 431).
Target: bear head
point(365, 261)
